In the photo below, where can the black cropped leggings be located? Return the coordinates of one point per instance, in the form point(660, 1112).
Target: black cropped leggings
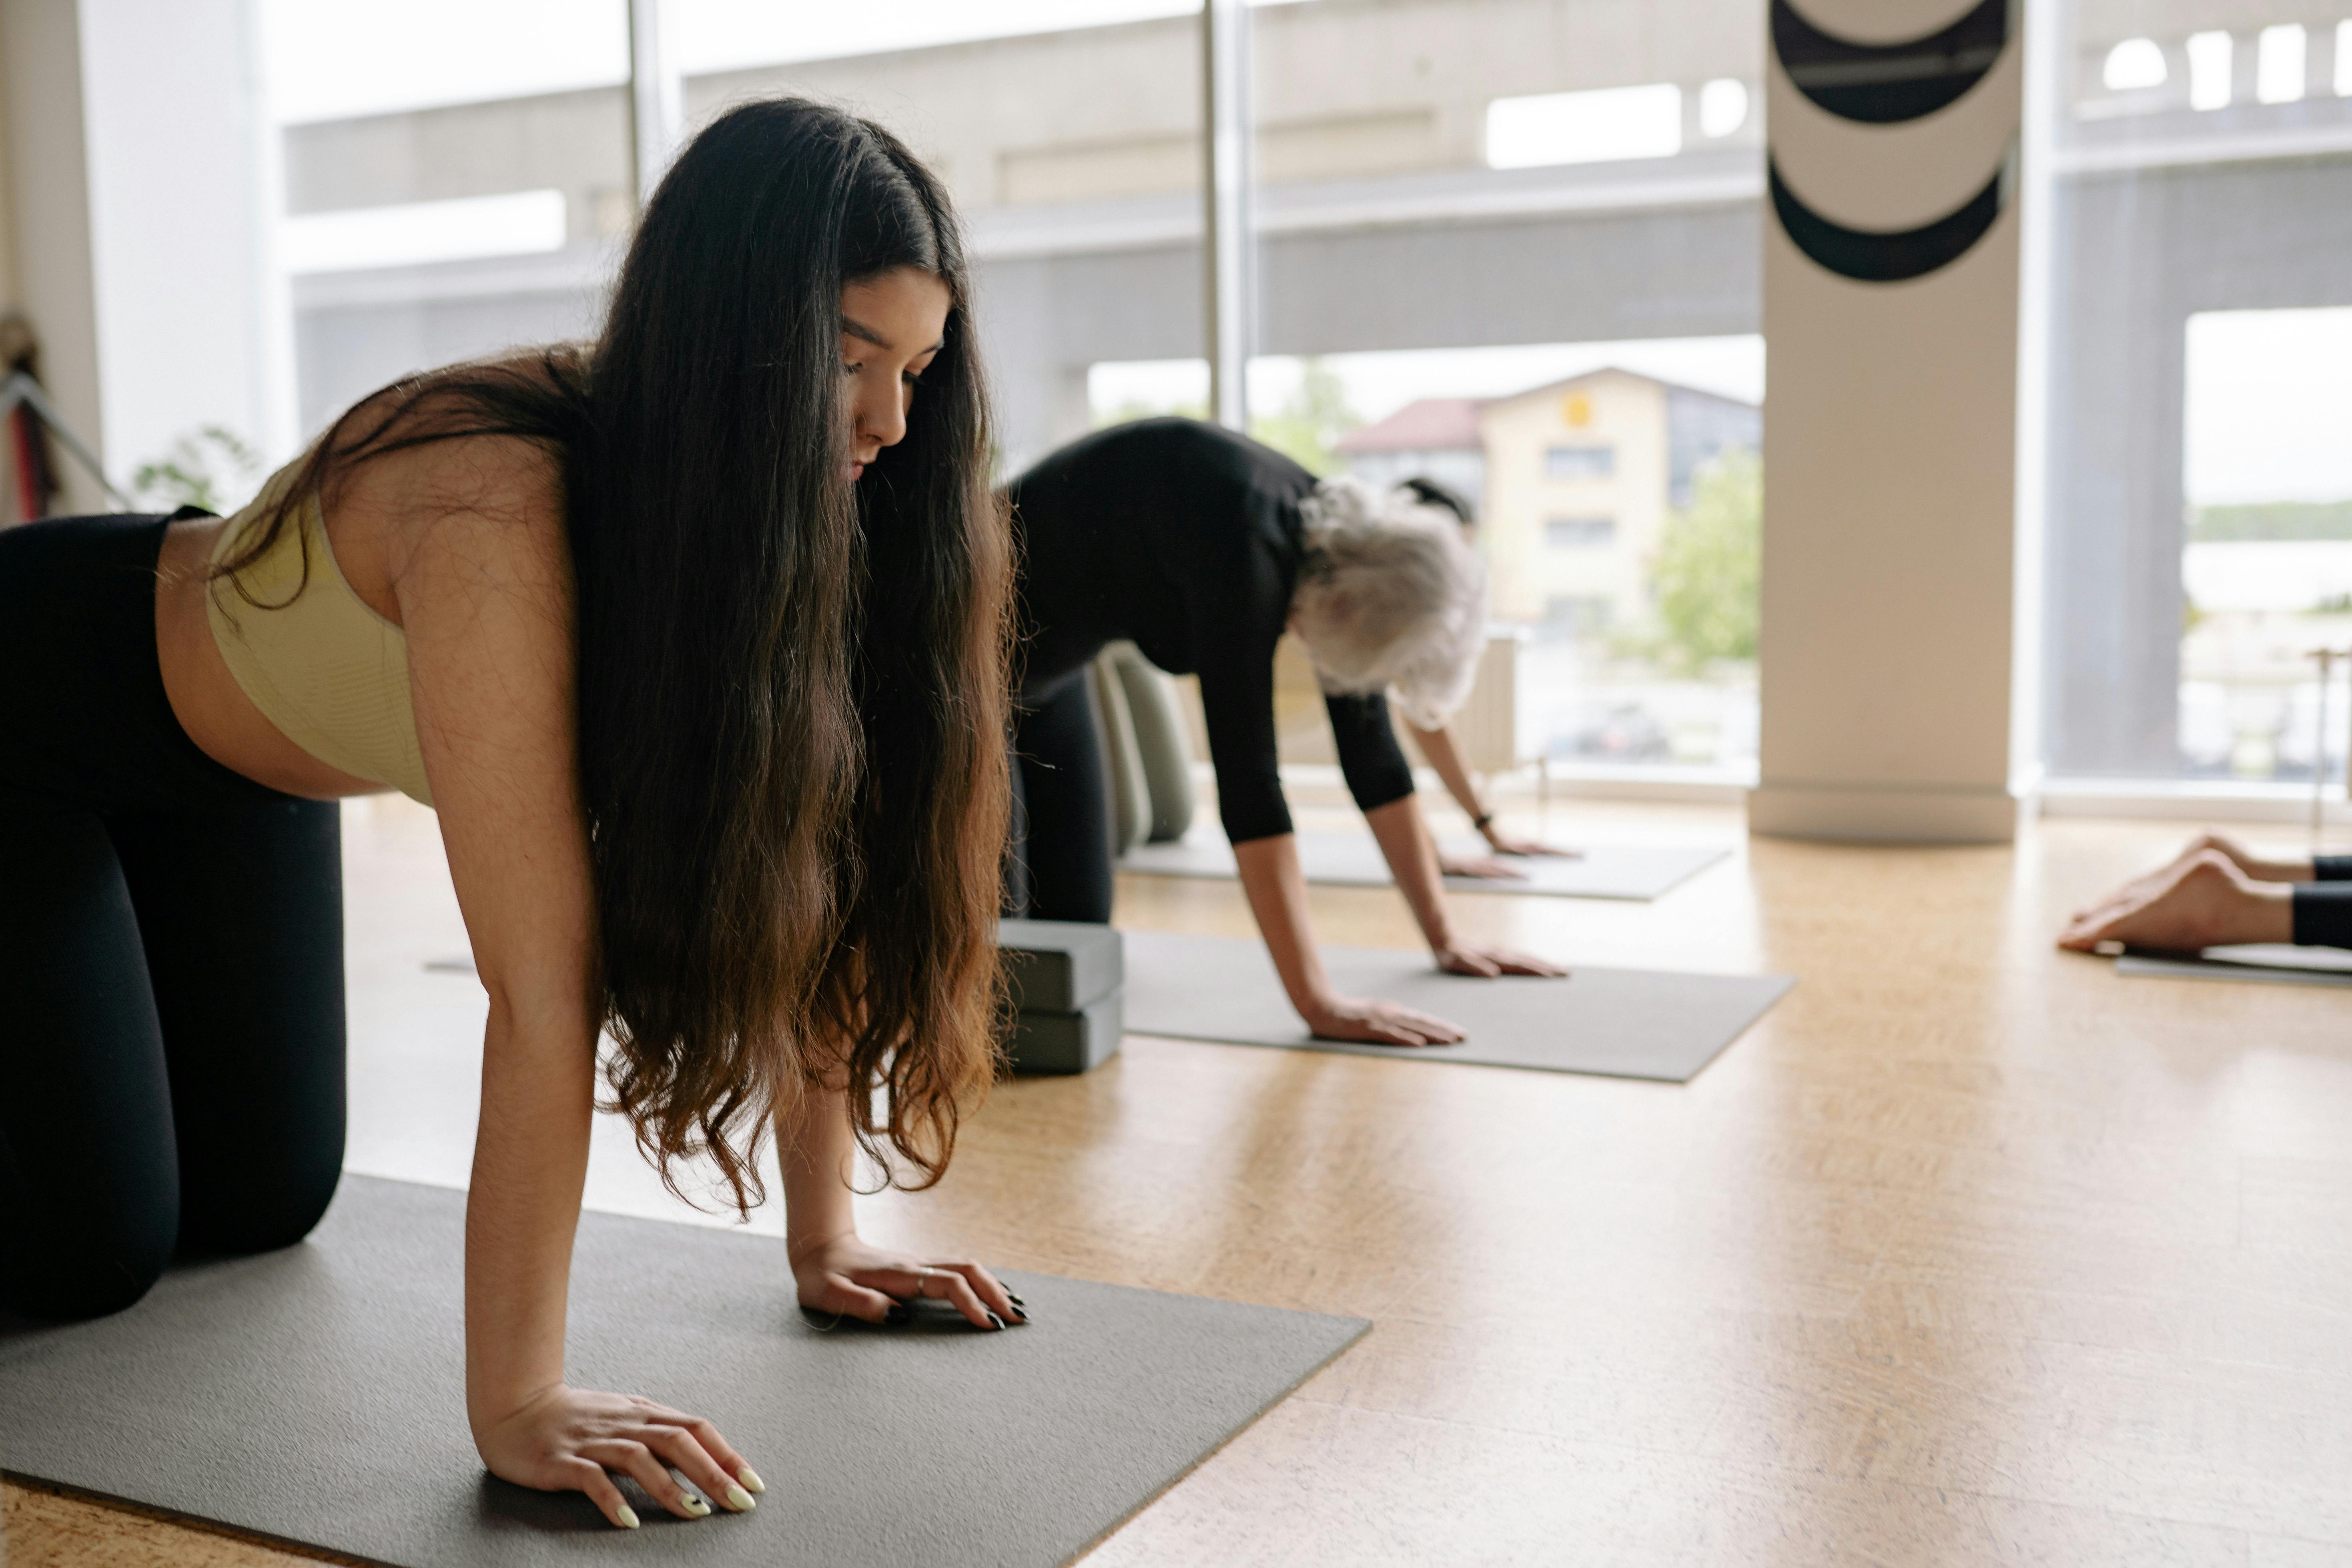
point(171, 952)
point(1060, 860)
point(2323, 908)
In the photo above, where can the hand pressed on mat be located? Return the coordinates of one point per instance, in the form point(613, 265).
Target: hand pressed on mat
point(846, 1278)
point(569, 1438)
point(1369, 1022)
point(1483, 867)
point(1504, 843)
point(1486, 963)
point(2204, 899)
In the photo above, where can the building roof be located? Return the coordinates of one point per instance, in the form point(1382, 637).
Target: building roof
point(1428, 425)
point(1550, 387)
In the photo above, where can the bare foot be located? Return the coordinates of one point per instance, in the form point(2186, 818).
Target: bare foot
point(2200, 901)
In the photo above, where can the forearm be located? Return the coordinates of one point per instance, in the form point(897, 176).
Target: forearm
point(818, 1153)
point(1438, 746)
point(1412, 854)
point(1277, 889)
point(530, 1162)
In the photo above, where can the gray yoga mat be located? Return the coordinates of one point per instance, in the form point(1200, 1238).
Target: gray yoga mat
point(1619, 1023)
point(2269, 964)
point(1638, 872)
point(315, 1395)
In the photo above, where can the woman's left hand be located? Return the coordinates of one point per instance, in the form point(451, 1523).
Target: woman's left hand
point(1481, 865)
point(845, 1277)
point(1489, 962)
point(1503, 843)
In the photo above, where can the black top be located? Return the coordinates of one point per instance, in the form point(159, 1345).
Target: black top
point(1184, 538)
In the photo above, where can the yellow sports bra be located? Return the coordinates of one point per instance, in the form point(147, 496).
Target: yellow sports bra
point(329, 671)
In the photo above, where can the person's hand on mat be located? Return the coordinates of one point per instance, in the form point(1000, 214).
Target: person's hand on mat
point(567, 1439)
point(1502, 843)
point(1478, 865)
point(1486, 963)
point(845, 1277)
point(2203, 900)
point(1372, 1023)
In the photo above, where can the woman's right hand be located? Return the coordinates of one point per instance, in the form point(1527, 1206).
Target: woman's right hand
point(1369, 1022)
point(1484, 866)
point(565, 1439)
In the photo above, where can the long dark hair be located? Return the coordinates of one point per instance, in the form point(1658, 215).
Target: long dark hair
point(792, 689)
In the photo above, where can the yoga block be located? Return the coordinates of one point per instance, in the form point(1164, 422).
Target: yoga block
point(1060, 966)
point(1068, 1042)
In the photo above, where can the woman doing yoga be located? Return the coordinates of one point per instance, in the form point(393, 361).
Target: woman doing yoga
point(2216, 894)
point(695, 638)
point(1202, 547)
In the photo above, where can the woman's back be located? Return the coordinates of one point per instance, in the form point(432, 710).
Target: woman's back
point(1180, 536)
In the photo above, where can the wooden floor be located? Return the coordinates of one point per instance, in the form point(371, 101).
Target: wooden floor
point(1970, 1253)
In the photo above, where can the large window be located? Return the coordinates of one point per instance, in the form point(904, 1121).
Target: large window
point(2199, 485)
point(1506, 245)
point(1511, 245)
point(479, 196)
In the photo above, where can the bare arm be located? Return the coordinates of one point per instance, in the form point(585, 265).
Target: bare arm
point(486, 608)
point(1438, 746)
point(482, 581)
point(1412, 854)
point(1277, 889)
point(1444, 755)
point(1411, 851)
point(838, 1273)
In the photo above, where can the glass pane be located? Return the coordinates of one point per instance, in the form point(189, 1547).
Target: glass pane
point(1513, 246)
point(479, 197)
point(2200, 520)
point(457, 180)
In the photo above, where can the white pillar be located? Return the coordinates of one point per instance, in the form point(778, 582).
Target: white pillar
point(40, 49)
point(1891, 284)
point(657, 94)
point(182, 219)
point(1227, 244)
point(141, 205)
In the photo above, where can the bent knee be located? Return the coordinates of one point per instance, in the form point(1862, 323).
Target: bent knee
point(261, 1218)
point(84, 1272)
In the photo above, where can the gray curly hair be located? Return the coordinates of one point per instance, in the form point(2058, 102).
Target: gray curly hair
point(1390, 597)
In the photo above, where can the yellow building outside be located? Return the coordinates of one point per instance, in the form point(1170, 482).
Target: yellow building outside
point(1574, 482)
point(1576, 498)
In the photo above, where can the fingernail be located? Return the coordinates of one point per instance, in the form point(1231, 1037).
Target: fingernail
point(1019, 1313)
point(628, 1516)
point(751, 1478)
point(1015, 1299)
point(694, 1505)
point(997, 1321)
point(739, 1501)
point(900, 1314)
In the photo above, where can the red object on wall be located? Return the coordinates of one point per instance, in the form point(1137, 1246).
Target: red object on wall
point(34, 483)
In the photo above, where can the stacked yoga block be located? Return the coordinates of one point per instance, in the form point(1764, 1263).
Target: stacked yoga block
point(1066, 979)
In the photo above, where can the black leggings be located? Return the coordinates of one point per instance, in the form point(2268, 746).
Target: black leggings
point(171, 952)
point(2323, 908)
point(1060, 863)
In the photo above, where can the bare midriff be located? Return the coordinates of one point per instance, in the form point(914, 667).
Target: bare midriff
point(205, 697)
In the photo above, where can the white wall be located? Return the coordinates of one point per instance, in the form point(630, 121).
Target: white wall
point(180, 214)
point(140, 202)
point(50, 215)
point(7, 197)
